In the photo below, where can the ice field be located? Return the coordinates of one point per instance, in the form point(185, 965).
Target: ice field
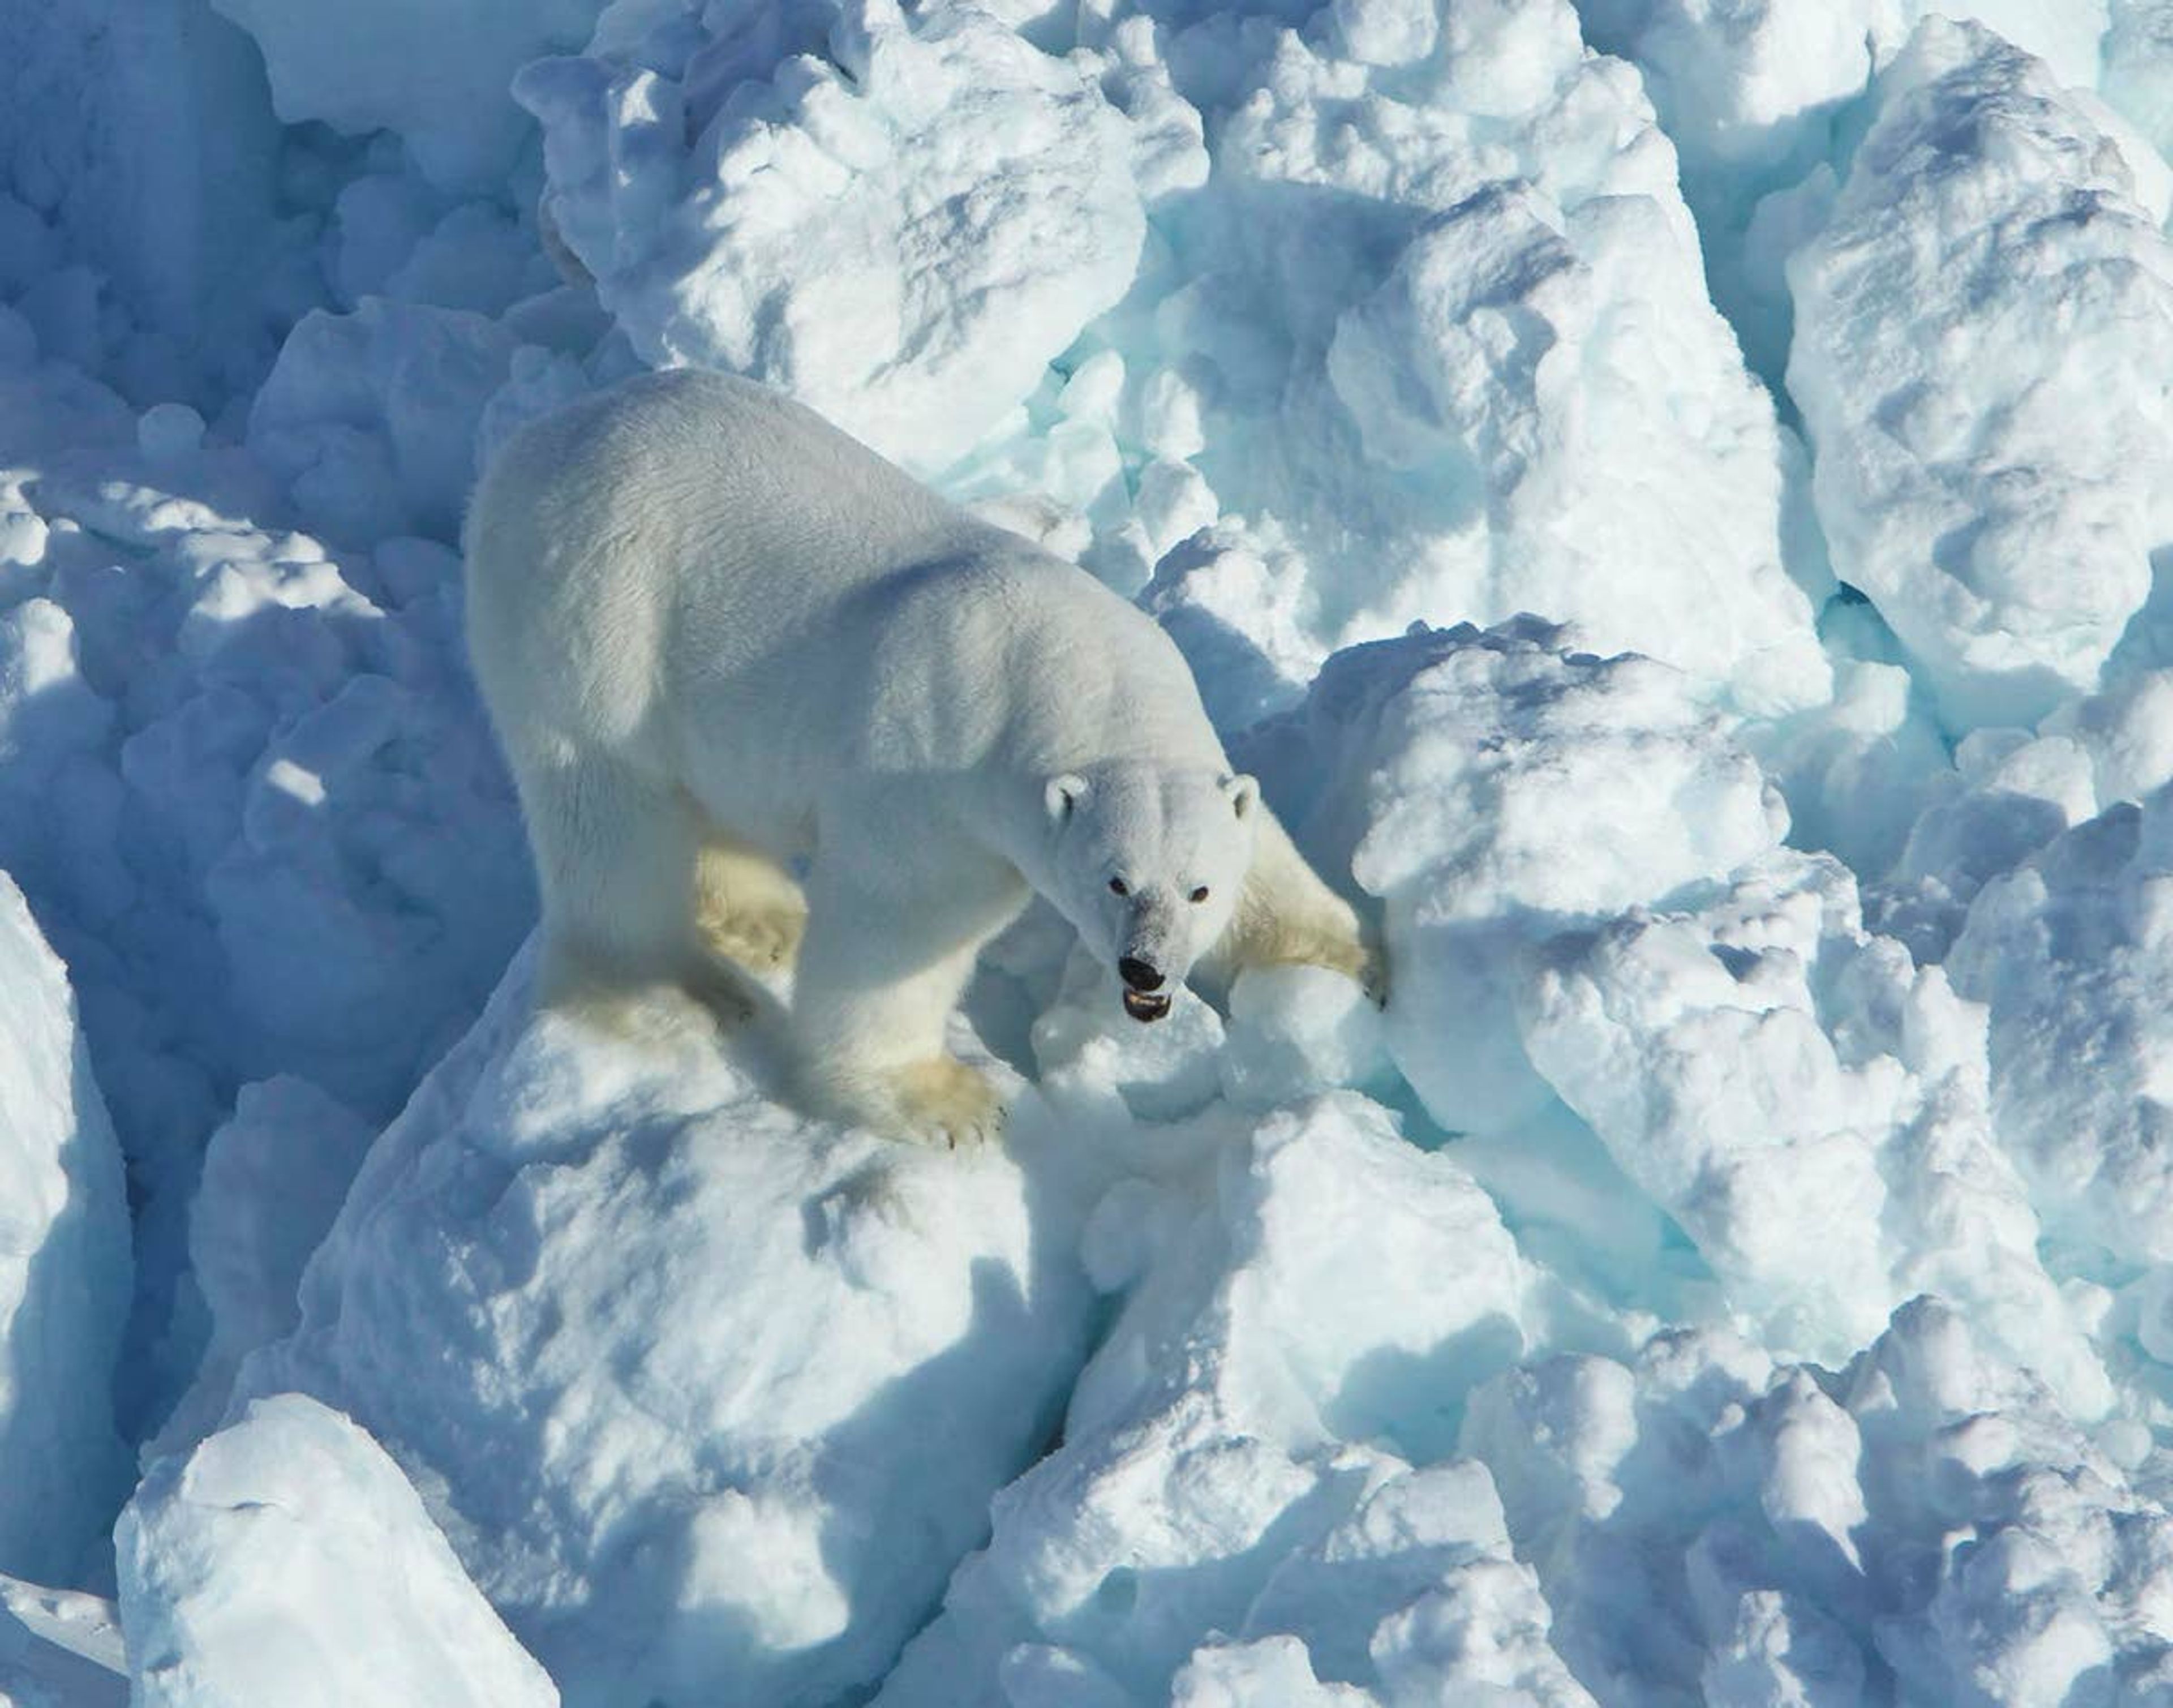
point(1666, 496)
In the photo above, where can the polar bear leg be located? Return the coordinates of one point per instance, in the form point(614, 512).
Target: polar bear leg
point(615, 855)
point(747, 907)
point(1287, 917)
point(881, 969)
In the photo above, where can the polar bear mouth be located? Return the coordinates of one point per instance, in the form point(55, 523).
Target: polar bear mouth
point(1140, 1005)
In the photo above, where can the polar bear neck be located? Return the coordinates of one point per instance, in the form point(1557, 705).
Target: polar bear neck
point(979, 673)
point(1001, 655)
point(1086, 684)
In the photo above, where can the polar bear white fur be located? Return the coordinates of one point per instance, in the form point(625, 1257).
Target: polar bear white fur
point(719, 639)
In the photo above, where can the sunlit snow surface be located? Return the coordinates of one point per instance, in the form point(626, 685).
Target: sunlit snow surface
point(1668, 496)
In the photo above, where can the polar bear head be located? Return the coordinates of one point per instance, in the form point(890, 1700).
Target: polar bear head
point(1147, 865)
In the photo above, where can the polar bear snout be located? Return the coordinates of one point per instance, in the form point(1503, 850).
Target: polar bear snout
point(1141, 983)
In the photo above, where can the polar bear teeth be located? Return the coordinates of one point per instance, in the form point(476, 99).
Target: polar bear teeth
point(1141, 1006)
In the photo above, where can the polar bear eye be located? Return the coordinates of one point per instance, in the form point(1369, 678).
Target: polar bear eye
point(1199, 894)
point(1117, 887)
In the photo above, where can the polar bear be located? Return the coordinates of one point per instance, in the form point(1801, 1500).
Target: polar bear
point(721, 641)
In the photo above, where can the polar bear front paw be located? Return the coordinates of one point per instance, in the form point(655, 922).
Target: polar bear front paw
point(1373, 976)
point(938, 1101)
point(946, 1102)
point(1362, 961)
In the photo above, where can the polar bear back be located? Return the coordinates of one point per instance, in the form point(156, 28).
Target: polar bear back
point(719, 588)
point(621, 517)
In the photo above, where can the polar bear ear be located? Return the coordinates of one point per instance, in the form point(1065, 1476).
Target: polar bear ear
point(1243, 793)
point(1063, 794)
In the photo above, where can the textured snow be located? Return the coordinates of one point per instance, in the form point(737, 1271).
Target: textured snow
point(138, 130)
point(2138, 67)
point(1810, 1108)
point(1814, 1111)
point(370, 417)
point(2068, 951)
point(1668, 495)
point(1237, 1456)
point(1442, 768)
point(274, 1177)
point(435, 74)
point(1452, 283)
point(60, 1647)
point(250, 802)
point(64, 1273)
point(1711, 1525)
point(904, 239)
point(1983, 328)
point(286, 1559)
point(716, 1393)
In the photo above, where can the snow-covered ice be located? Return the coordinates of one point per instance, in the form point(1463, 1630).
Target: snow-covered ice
point(1450, 282)
point(274, 1177)
point(139, 131)
point(2068, 951)
point(1442, 769)
point(64, 1268)
point(247, 791)
point(1983, 331)
point(1670, 497)
point(715, 1395)
point(60, 1646)
point(1237, 1458)
point(437, 75)
point(904, 238)
point(1814, 1110)
point(1927, 1523)
point(286, 1559)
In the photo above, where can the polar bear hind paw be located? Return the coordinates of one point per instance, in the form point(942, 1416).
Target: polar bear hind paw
point(747, 908)
point(760, 942)
point(720, 991)
point(633, 1008)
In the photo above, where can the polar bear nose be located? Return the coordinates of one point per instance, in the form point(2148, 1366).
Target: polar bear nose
point(1138, 974)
